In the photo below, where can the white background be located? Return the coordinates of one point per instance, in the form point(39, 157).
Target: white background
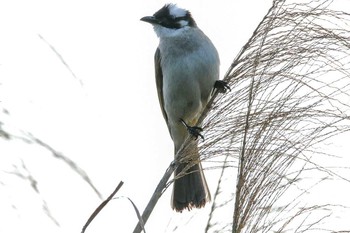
point(111, 125)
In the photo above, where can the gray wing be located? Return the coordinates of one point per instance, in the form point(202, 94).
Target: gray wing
point(159, 82)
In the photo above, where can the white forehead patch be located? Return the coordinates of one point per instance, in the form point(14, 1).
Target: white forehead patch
point(176, 11)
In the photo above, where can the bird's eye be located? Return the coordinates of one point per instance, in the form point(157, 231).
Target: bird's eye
point(170, 21)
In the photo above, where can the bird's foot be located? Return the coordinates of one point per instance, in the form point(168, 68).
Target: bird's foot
point(194, 131)
point(222, 86)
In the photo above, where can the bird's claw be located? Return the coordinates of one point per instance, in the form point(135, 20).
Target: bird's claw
point(194, 131)
point(222, 86)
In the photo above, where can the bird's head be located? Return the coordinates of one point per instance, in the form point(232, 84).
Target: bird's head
point(170, 20)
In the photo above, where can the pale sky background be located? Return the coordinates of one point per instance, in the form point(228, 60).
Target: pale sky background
point(111, 125)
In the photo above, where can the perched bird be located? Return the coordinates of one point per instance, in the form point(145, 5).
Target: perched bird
point(186, 69)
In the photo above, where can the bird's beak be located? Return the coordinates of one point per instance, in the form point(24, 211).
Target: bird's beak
point(150, 19)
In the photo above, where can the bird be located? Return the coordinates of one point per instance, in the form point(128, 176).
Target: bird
point(187, 71)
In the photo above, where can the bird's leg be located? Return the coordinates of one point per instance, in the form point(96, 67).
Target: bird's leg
point(221, 86)
point(194, 131)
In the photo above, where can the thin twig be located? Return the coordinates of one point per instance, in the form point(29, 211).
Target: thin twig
point(101, 206)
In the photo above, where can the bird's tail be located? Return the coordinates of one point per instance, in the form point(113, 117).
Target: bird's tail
point(190, 189)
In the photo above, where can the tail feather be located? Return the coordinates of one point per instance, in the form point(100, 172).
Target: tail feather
point(191, 189)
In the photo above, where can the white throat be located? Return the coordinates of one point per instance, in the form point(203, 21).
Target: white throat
point(170, 32)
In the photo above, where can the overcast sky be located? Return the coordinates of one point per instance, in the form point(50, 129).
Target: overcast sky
point(103, 113)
